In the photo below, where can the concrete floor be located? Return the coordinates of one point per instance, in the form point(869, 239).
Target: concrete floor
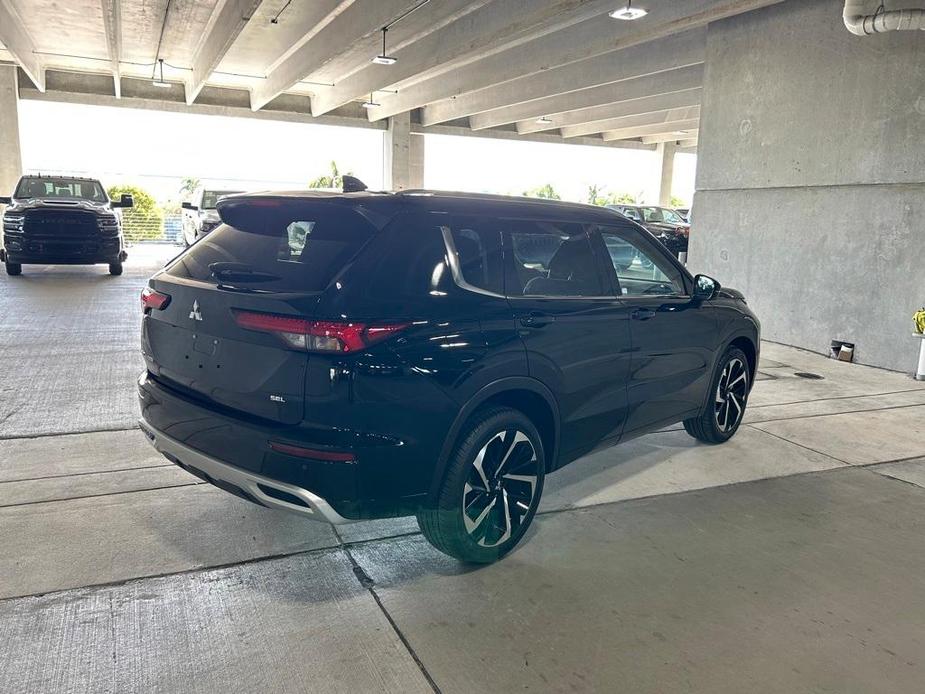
point(788, 560)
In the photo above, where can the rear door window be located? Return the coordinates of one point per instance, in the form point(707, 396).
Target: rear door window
point(474, 248)
point(298, 248)
point(551, 259)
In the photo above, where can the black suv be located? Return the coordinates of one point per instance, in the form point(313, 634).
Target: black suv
point(62, 220)
point(365, 355)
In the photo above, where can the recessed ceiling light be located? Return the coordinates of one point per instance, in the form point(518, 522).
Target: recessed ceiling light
point(543, 120)
point(629, 13)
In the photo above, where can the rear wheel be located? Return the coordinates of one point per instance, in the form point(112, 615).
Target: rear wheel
point(491, 490)
point(13, 268)
point(729, 390)
point(115, 268)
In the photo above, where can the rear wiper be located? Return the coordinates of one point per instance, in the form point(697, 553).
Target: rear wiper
point(240, 272)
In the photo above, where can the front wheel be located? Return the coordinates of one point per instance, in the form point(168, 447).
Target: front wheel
point(115, 268)
point(13, 268)
point(729, 391)
point(491, 490)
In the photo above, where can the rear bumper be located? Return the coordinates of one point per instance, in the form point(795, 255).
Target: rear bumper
point(256, 488)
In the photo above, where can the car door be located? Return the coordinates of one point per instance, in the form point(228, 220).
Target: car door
point(576, 336)
point(673, 337)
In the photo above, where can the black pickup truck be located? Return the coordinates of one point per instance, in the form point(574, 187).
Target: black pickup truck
point(62, 220)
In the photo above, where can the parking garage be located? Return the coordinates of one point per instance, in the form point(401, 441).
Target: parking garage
point(788, 559)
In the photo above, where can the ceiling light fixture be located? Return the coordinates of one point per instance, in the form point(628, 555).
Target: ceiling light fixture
point(543, 120)
point(384, 58)
point(371, 103)
point(629, 13)
point(159, 82)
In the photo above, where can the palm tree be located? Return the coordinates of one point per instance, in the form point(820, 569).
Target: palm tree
point(334, 180)
point(188, 185)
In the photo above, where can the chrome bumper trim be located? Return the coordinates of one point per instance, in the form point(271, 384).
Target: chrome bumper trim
point(315, 507)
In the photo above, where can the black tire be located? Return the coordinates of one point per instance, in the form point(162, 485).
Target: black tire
point(13, 268)
point(477, 516)
point(727, 398)
point(115, 268)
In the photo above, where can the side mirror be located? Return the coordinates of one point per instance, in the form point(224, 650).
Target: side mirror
point(189, 206)
point(705, 287)
point(127, 200)
point(6, 201)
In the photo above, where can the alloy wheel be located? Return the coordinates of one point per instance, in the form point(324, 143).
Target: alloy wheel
point(500, 489)
point(731, 393)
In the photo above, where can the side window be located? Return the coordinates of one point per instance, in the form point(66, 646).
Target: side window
point(474, 246)
point(642, 270)
point(551, 259)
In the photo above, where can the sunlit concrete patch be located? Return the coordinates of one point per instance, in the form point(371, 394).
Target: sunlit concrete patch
point(671, 462)
point(93, 484)
point(82, 542)
point(858, 438)
point(814, 408)
point(912, 471)
point(798, 584)
point(47, 456)
point(291, 625)
point(840, 379)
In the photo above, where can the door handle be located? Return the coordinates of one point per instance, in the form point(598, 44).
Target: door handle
point(642, 314)
point(536, 319)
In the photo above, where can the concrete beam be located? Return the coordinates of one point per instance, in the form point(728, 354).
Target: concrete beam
point(481, 31)
point(11, 161)
point(658, 56)
point(658, 118)
point(112, 29)
point(668, 82)
point(347, 23)
point(638, 108)
point(688, 140)
point(460, 131)
point(656, 129)
point(14, 36)
point(582, 41)
point(232, 17)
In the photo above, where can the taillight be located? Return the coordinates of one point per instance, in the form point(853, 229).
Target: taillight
point(318, 336)
point(151, 299)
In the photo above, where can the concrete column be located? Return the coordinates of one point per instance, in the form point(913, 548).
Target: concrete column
point(667, 151)
point(417, 161)
point(396, 160)
point(10, 153)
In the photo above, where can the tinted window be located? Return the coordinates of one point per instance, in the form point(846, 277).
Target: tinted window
point(300, 248)
point(407, 260)
point(641, 269)
point(476, 246)
point(551, 259)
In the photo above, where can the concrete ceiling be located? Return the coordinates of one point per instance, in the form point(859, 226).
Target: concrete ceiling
point(558, 68)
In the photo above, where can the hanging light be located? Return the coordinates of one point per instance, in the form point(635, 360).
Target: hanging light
point(383, 58)
point(543, 120)
point(159, 81)
point(371, 103)
point(629, 13)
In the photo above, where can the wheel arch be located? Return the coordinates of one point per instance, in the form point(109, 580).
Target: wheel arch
point(521, 393)
point(747, 345)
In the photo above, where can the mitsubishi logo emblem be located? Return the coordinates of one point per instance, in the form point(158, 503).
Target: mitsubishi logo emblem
point(195, 314)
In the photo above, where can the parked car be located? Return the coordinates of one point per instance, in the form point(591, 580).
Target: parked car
point(371, 355)
point(199, 215)
point(664, 224)
point(684, 213)
point(62, 220)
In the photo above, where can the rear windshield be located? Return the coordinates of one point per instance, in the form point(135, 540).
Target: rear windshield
point(297, 250)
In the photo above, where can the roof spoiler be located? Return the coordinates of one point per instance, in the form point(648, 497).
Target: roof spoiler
point(352, 184)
